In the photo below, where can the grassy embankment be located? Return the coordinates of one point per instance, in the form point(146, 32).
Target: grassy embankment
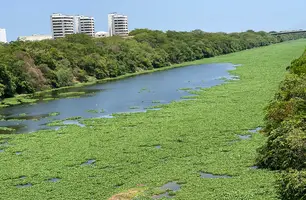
point(191, 136)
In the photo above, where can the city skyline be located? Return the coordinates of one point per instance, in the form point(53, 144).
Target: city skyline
point(220, 15)
point(66, 24)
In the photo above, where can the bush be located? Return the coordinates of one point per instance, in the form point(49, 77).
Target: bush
point(286, 147)
point(286, 130)
point(292, 185)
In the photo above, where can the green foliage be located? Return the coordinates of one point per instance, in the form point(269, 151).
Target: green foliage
point(195, 136)
point(292, 184)
point(299, 65)
point(2, 87)
point(64, 77)
point(286, 130)
point(28, 67)
point(285, 147)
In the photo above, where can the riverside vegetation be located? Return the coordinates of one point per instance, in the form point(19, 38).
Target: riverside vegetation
point(194, 148)
point(285, 126)
point(28, 67)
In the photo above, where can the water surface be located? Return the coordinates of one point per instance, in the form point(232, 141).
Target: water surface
point(132, 94)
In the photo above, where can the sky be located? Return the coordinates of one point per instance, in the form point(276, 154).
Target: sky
point(27, 17)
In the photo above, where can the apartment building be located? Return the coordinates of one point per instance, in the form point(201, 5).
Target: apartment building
point(86, 25)
point(63, 25)
point(118, 25)
point(3, 35)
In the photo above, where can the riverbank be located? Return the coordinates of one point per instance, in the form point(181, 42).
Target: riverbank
point(183, 142)
point(136, 94)
point(29, 67)
point(44, 95)
point(32, 98)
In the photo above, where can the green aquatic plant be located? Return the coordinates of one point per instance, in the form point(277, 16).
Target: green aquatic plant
point(93, 111)
point(70, 94)
point(49, 99)
point(53, 114)
point(134, 107)
point(74, 118)
point(285, 130)
point(26, 100)
point(11, 102)
point(6, 130)
point(189, 97)
point(185, 89)
point(56, 123)
point(194, 135)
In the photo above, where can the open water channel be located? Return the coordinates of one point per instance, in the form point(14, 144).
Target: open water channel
point(134, 94)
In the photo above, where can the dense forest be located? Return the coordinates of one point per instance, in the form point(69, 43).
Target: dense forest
point(27, 67)
point(286, 130)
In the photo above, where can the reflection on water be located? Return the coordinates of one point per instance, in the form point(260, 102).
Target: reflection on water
point(54, 180)
point(245, 137)
point(256, 130)
point(119, 96)
point(208, 175)
point(73, 122)
point(173, 186)
point(89, 162)
point(24, 186)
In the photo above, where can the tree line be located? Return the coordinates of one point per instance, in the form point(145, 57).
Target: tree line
point(27, 67)
point(285, 128)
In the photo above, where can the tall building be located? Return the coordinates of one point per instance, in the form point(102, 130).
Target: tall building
point(3, 35)
point(118, 25)
point(63, 25)
point(86, 25)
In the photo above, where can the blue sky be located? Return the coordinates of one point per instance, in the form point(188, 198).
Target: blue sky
point(27, 17)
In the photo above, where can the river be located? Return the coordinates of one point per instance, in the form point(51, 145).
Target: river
point(134, 94)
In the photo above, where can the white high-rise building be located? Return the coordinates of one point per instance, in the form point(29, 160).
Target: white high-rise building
point(86, 25)
point(3, 35)
point(68, 24)
point(62, 25)
point(118, 25)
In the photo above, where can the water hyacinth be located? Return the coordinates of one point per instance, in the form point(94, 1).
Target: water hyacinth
point(193, 136)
